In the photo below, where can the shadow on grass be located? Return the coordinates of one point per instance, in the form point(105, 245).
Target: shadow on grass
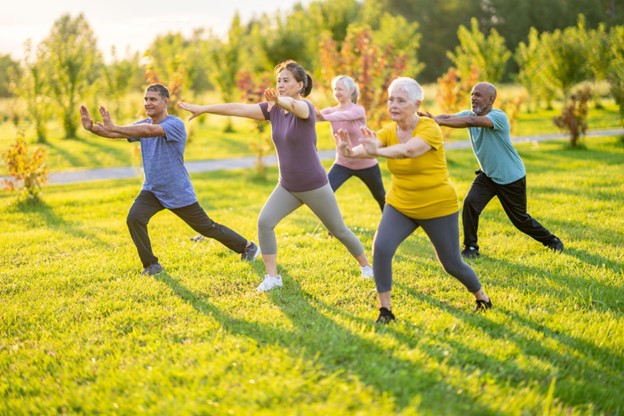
point(590, 371)
point(38, 211)
point(321, 340)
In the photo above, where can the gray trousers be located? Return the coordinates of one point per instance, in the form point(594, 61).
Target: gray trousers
point(443, 232)
point(321, 201)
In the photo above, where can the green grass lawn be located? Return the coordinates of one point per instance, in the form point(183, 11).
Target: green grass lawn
point(81, 332)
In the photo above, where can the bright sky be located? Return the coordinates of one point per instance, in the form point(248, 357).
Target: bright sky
point(126, 23)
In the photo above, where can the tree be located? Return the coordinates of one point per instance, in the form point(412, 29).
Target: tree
point(615, 74)
point(225, 63)
point(119, 78)
point(488, 54)
point(530, 59)
point(30, 84)
point(7, 67)
point(73, 64)
point(565, 56)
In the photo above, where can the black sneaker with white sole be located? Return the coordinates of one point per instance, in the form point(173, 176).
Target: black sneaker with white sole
point(470, 253)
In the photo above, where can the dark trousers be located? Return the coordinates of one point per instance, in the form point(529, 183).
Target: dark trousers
point(513, 199)
point(370, 176)
point(146, 205)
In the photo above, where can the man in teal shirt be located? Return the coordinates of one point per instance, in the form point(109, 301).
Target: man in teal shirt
point(502, 172)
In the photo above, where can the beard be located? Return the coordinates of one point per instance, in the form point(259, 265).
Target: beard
point(478, 110)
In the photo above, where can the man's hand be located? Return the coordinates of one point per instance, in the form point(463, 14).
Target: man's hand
point(107, 123)
point(85, 118)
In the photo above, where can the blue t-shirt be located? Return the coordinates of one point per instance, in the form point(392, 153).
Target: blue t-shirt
point(497, 157)
point(163, 164)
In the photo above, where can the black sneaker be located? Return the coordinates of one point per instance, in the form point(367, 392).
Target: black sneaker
point(555, 245)
point(470, 253)
point(483, 305)
point(152, 269)
point(385, 316)
point(198, 238)
point(251, 252)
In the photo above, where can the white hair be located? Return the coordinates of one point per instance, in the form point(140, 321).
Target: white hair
point(350, 84)
point(409, 86)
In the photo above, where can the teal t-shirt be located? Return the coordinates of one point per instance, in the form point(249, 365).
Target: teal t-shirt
point(497, 157)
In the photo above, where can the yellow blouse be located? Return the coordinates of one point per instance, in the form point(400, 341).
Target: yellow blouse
point(420, 187)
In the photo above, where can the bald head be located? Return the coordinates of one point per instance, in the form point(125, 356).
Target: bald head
point(487, 88)
point(482, 97)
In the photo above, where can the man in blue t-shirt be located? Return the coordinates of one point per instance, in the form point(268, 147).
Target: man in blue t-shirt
point(502, 172)
point(167, 184)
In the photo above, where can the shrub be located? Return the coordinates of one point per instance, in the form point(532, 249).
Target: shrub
point(573, 116)
point(27, 168)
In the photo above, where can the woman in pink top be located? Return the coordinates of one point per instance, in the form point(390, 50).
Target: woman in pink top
point(350, 116)
point(302, 180)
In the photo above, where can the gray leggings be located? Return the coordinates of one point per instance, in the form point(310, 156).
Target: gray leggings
point(443, 232)
point(321, 201)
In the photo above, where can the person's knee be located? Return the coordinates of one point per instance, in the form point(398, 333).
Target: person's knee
point(135, 219)
point(265, 223)
point(382, 251)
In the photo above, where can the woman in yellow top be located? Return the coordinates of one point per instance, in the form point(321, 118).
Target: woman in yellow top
point(420, 194)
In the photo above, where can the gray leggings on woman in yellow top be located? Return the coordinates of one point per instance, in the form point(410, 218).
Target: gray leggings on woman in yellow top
point(321, 201)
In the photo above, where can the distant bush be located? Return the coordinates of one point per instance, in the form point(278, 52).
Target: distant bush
point(573, 116)
point(28, 170)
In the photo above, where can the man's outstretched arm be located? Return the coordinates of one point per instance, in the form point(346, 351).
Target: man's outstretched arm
point(97, 129)
point(453, 121)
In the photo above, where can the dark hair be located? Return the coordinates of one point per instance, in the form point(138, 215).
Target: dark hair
point(299, 73)
point(160, 89)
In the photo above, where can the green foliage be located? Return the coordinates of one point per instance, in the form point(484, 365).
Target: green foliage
point(615, 72)
point(32, 86)
point(564, 57)
point(530, 60)
point(72, 65)
point(120, 77)
point(488, 54)
point(83, 333)
point(7, 67)
point(27, 169)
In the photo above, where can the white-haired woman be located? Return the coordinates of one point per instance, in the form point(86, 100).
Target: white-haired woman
point(350, 116)
point(420, 194)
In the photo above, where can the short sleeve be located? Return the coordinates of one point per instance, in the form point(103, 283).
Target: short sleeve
point(174, 129)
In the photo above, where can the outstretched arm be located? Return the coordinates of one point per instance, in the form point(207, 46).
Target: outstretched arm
point(252, 111)
point(134, 130)
point(97, 129)
point(453, 121)
point(297, 107)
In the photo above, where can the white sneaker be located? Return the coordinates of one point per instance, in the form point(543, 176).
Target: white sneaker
point(367, 272)
point(269, 283)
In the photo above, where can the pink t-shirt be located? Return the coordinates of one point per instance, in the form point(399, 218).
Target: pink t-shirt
point(349, 118)
point(295, 143)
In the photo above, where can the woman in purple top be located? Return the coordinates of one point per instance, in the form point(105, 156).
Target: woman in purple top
point(350, 116)
point(302, 180)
